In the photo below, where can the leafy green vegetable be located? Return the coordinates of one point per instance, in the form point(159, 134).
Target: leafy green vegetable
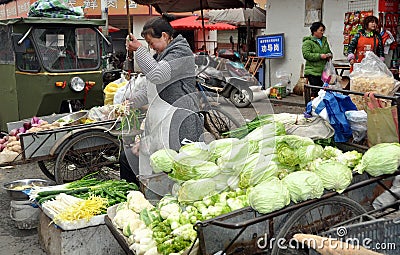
point(254, 174)
point(380, 159)
point(162, 160)
point(303, 185)
point(194, 190)
point(188, 168)
point(269, 195)
point(334, 175)
point(265, 131)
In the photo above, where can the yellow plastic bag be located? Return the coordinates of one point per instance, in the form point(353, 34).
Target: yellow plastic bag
point(110, 90)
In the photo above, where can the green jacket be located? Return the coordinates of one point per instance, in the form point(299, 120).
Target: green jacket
point(312, 54)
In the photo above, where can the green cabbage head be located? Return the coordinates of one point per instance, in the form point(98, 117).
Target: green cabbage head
point(383, 158)
point(162, 160)
point(334, 175)
point(269, 196)
point(303, 185)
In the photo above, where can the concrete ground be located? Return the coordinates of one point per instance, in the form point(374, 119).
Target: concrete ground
point(20, 242)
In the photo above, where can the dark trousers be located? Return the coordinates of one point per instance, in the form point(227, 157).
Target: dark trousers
point(315, 81)
point(128, 168)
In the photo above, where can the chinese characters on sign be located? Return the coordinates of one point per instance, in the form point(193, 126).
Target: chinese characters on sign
point(270, 46)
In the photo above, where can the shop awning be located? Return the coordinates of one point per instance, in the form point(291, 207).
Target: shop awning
point(195, 22)
point(163, 6)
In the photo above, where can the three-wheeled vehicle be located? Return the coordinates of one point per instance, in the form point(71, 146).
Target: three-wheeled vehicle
point(50, 65)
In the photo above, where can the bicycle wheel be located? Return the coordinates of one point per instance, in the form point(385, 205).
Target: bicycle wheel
point(314, 219)
point(218, 121)
point(48, 167)
point(86, 153)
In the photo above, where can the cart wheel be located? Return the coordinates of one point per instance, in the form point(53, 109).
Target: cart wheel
point(217, 122)
point(86, 153)
point(241, 98)
point(47, 167)
point(314, 219)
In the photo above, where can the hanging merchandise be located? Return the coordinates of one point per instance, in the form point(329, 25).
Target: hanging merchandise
point(352, 23)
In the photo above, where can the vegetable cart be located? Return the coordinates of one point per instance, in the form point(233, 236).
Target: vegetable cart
point(70, 152)
point(246, 231)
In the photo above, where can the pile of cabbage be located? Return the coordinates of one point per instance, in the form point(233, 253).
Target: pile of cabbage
point(266, 170)
point(272, 168)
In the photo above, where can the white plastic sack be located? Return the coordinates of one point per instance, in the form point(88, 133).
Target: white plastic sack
point(126, 92)
point(315, 102)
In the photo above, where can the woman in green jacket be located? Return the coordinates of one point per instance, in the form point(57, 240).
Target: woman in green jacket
point(316, 52)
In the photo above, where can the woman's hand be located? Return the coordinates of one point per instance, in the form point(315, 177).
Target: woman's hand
point(326, 56)
point(132, 44)
point(351, 61)
point(135, 148)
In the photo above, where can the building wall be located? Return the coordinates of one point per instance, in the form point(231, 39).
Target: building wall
point(287, 16)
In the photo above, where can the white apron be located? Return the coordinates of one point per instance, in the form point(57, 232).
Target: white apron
point(157, 128)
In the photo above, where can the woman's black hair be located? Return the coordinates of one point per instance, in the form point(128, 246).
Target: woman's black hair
point(368, 20)
point(156, 26)
point(315, 26)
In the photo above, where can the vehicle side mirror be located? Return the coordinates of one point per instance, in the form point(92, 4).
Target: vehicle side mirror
point(18, 47)
point(108, 48)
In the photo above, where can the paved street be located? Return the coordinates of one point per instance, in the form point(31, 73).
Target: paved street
point(14, 241)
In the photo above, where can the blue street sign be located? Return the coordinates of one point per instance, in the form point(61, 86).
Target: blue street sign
point(270, 46)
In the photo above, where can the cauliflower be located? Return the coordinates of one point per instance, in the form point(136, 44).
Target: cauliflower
point(140, 234)
point(122, 217)
point(168, 209)
point(137, 202)
point(133, 225)
point(186, 232)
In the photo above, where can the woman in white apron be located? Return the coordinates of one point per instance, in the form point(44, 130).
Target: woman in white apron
point(170, 92)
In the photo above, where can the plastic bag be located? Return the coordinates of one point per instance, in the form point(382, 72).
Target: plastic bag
point(382, 122)
point(371, 75)
point(329, 73)
point(126, 92)
point(111, 89)
point(358, 124)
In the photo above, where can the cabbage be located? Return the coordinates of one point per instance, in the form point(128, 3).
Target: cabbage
point(267, 146)
point(288, 149)
point(294, 141)
point(268, 196)
point(219, 147)
point(194, 190)
point(383, 158)
point(287, 155)
point(261, 172)
point(249, 163)
point(162, 160)
point(265, 131)
point(189, 168)
point(309, 153)
point(239, 152)
point(332, 152)
point(303, 185)
point(351, 158)
point(334, 175)
point(198, 150)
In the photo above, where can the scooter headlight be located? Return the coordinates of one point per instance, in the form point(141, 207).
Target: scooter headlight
point(77, 84)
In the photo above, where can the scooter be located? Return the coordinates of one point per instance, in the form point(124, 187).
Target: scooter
point(227, 78)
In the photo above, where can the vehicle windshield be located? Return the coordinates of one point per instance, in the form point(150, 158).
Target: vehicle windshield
point(67, 49)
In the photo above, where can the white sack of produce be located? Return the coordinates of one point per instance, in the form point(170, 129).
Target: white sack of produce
point(371, 75)
point(383, 158)
point(269, 196)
